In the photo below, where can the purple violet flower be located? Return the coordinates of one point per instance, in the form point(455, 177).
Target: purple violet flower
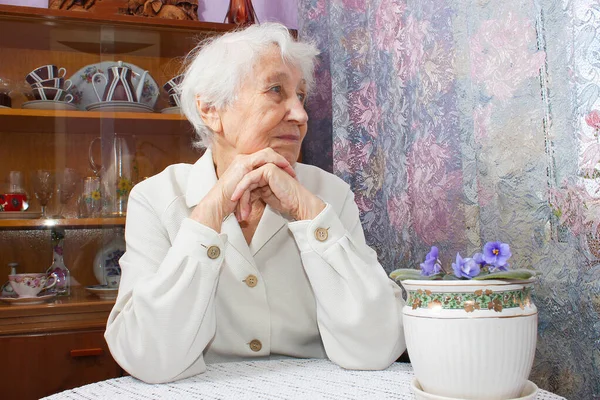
point(478, 257)
point(465, 267)
point(431, 265)
point(496, 254)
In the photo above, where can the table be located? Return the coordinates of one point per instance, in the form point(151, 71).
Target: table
point(267, 380)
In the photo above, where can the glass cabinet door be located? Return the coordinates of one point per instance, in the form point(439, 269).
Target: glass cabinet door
point(71, 147)
point(70, 152)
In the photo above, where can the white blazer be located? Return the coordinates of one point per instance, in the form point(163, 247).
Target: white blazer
point(190, 296)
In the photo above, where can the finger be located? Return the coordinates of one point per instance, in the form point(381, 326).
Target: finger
point(245, 205)
point(268, 155)
point(290, 171)
point(266, 194)
point(251, 181)
point(239, 192)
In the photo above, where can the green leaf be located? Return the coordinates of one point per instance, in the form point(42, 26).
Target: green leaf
point(512, 274)
point(407, 273)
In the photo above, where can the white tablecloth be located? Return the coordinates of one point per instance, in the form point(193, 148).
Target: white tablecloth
point(275, 380)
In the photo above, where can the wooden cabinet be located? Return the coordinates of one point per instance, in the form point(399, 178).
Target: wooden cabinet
point(53, 347)
point(58, 345)
point(44, 364)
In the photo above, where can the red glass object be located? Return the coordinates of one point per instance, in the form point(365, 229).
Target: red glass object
point(13, 202)
point(241, 13)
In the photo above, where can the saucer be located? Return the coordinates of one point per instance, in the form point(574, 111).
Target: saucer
point(171, 110)
point(48, 105)
point(119, 106)
point(528, 393)
point(21, 301)
point(4, 106)
point(102, 291)
point(20, 215)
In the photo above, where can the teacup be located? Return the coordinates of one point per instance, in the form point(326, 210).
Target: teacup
point(119, 85)
point(45, 72)
point(175, 100)
point(172, 88)
point(50, 93)
point(173, 84)
point(58, 83)
point(29, 285)
point(112, 281)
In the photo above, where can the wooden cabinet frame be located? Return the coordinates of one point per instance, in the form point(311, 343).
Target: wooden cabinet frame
point(59, 345)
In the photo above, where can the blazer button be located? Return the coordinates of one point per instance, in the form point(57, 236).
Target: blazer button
point(251, 280)
point(213, 252)
point(321, 234)
point(255, 345)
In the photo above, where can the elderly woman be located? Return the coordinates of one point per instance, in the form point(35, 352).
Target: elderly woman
point(248, 254)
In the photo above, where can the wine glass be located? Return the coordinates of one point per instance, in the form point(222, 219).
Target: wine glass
point(43, 187)
point(66, 185)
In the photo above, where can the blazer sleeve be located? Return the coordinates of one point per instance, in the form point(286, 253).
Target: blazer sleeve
point(359, 309)
point(164, 315)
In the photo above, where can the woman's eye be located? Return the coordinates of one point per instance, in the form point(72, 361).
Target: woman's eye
point(301, 97)
point(275, 89)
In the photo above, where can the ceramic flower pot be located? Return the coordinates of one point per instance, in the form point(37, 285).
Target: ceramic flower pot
point(471, 339)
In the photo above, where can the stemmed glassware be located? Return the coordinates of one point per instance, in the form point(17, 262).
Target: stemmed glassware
point(43, 187)
point(66, 185)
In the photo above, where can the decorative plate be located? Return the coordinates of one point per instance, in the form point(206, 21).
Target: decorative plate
point(102, 291)
point(107, 258)
point(20, 301)
point(83, 90)
point(48, 105)
point(119, 106)
point(20, 214)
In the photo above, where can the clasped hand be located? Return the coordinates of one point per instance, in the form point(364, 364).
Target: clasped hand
point(264, 175)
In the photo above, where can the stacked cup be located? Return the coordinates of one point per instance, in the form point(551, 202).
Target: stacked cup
point(48, 83)
point(172, 88)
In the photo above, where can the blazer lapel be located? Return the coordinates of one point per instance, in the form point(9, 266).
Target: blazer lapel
point(236, 238)
point(270, 223)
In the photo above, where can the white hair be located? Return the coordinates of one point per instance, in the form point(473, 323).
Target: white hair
point(217, 66)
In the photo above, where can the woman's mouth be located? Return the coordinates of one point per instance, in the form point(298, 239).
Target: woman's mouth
point(294, 138)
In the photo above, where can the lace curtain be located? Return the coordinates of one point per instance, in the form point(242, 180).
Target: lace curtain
point(460, 122)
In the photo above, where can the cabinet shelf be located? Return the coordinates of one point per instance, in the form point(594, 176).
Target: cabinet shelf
point(80, 310)
point(17, 224)
point(97, 33)
point(76, 122)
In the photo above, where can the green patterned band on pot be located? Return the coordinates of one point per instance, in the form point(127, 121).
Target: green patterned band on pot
point(478, 300)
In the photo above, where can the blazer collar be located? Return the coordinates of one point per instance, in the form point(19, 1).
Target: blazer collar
point(201, 179)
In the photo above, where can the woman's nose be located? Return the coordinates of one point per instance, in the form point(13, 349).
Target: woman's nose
point(297, 113)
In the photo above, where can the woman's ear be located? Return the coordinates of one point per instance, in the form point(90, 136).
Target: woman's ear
point(210, 116)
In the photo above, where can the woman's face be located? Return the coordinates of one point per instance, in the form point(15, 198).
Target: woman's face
point(268, 112)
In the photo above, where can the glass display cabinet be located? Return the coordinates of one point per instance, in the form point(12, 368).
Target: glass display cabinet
point(94, 152)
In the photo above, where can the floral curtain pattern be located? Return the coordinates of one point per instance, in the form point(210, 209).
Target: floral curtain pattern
point(460, 122)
